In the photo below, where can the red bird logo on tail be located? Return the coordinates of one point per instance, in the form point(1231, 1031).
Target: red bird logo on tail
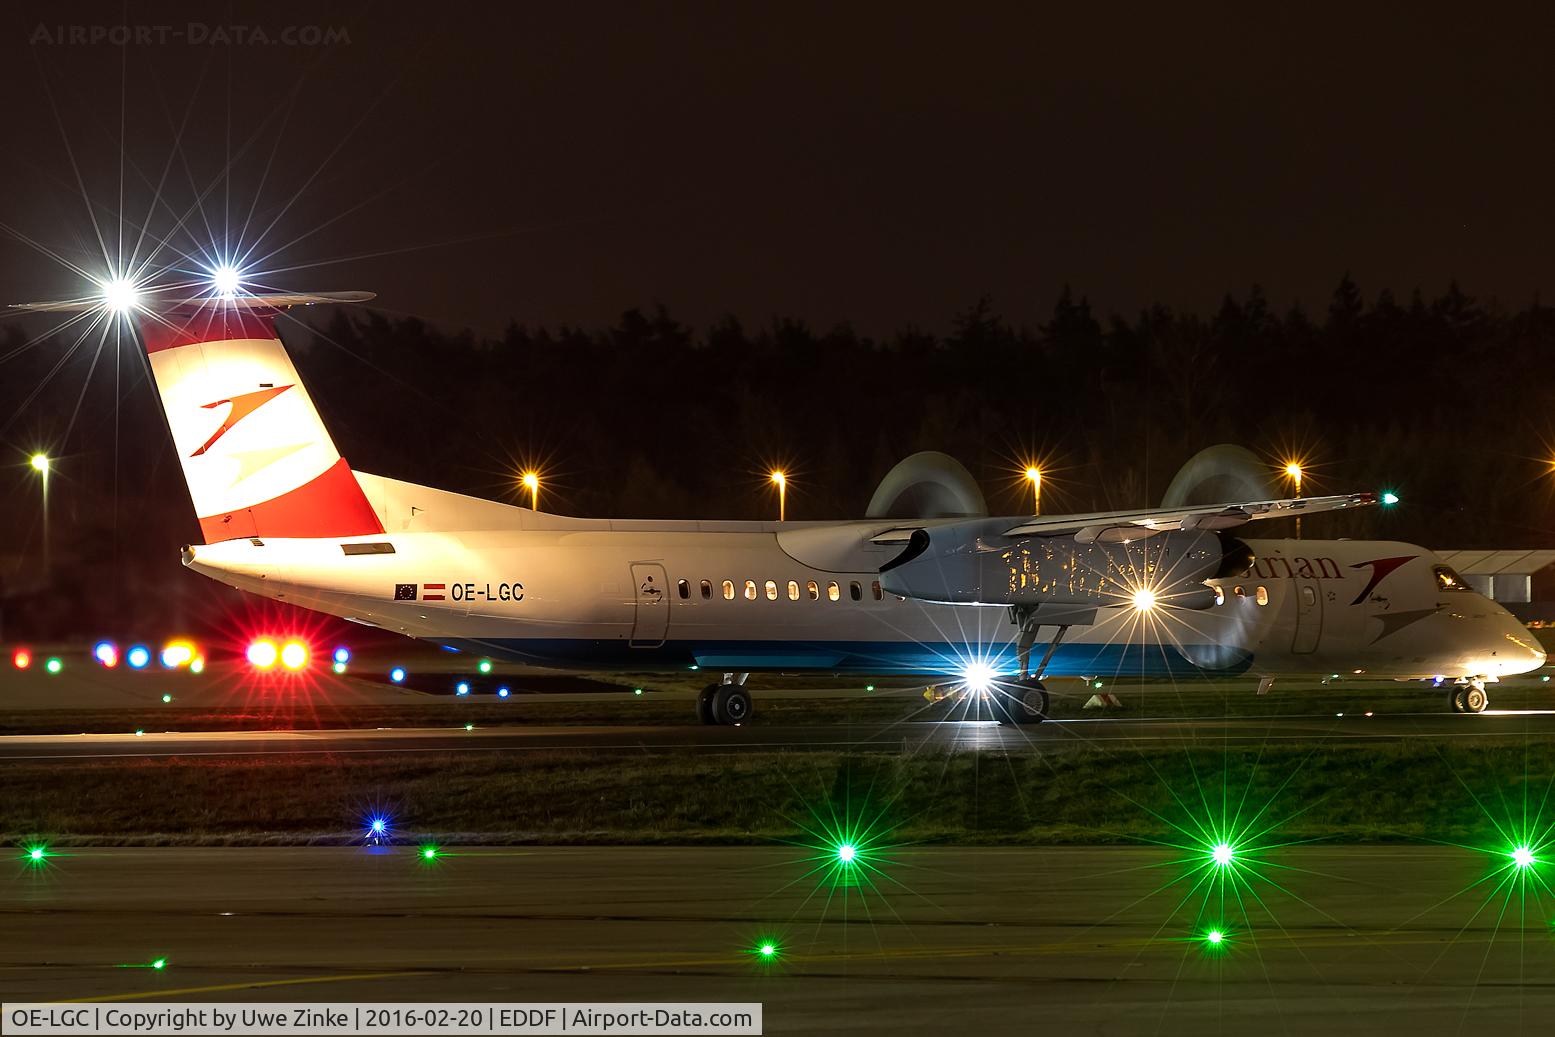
point(242, 406)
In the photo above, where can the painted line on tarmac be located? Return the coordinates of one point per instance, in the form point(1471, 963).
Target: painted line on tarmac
point(251, 985)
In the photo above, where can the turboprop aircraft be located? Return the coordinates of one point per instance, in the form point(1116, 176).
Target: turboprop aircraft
point(926, 584)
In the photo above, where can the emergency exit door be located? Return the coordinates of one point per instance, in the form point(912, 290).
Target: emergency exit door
point(1309, 617)
point(652, 620)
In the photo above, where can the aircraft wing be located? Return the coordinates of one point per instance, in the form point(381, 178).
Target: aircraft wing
point(263, 301)
point(1115, 526)
point(1109, 525)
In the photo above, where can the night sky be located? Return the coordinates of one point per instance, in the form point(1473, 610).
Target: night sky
point(863, 163)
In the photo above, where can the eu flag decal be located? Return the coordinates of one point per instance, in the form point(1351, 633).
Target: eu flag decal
point(404, 592)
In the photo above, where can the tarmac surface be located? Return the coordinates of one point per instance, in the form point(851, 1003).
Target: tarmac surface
point(897, 736)
point(1091, 940)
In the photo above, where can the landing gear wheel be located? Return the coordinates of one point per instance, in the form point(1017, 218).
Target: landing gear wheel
point(705, 704)
point(1026, 702)
point(1475, 698)
point(731, 705)
point(1455, 700)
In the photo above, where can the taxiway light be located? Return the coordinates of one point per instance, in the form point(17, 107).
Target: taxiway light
point(198, 665)
point(462, 688)
point(502, 693)
point(262, 654)
point(106, 653)
point(166, 697)
point(1522, 857)
point(484, 666)
point(469, 727)
point(338, 667)
point(1389, 498)
point(397, 674)
point(429, 853)
point(120, 295)
point(54, 665)
point(377, 826)
point(847, 853)
point(637, 691)
point(1222, 854)
point(767, 950)
point(160, 963)
point(176, 654)
point(22, 659)
point(869, 687)
point(138, 657)
point(1144, 599)
point(342, 655)
point(40, 462)
point(294, 655)
point(1215, 937)
point(37, 854)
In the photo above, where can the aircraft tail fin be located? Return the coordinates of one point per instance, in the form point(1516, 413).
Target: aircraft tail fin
point(255, 453)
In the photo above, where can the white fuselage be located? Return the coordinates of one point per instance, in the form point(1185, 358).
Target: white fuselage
point(805, 597)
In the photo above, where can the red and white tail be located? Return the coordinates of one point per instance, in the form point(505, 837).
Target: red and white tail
point(256, 455)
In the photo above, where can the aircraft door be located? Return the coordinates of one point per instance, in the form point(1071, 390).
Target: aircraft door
point(1309, 617)
point(653, 605)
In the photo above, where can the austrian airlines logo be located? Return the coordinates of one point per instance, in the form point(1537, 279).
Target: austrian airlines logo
point(242, 407)
point(1380, 568)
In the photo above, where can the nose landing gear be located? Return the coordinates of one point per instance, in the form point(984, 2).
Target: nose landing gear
point(1469, 696)
point(727, 703)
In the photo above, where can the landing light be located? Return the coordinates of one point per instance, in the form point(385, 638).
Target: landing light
point(978, 677)
point(1144, 599)
point(176, 654)
point(40, 463)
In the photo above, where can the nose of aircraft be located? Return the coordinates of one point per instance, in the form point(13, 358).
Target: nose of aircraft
point(1516, 649)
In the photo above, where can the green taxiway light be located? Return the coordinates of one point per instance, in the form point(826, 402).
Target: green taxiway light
point(37, 854)
point(338, 667)
point(1523, 857)
point(469, 727)
point(637, 691)
point(846, 853)
point(1389, 498)
point(429, 853)
point(1222, 854)
point(166, 697)
point(484, 666)
point(1214, 937)
point(54, 665)
point(869, 687)
point(160, 963)
point(768, 950)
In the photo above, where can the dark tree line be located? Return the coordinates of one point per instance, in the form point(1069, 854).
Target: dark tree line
point(1443, 400)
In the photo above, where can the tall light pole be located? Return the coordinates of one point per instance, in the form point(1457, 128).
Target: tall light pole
point(1035, 475)
point(781, 481)
point(40, 464)
point(531, 482)
point(1293, 470)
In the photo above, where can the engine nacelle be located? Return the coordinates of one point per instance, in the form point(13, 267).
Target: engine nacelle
point(973, 563)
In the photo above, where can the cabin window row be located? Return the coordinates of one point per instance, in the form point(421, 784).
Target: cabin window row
point(772, 590)
point(1260, 594)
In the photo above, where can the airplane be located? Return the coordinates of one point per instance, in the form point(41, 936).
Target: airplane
point(925, 586)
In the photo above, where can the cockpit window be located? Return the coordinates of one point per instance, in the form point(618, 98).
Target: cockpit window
point(1447, 579)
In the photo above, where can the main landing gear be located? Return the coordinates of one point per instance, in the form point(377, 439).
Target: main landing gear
point(1025, 700)
point(725, 703)
point(1468, 697)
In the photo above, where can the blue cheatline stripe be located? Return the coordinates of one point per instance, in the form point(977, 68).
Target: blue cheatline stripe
point(905, 658)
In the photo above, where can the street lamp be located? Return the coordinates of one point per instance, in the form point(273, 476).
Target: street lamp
point(531, 482)
point(1293, 471)
point(782, 486)
point(40, 464)
point(1035, 475)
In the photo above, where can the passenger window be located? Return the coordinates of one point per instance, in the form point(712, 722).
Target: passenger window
point(750, 590)
point(875, 589)
point(1220, 595)
point(684, 588)
point(728, 590)
point(1449, 580)
point(793, 590)
point(856, 591)
point(771, 590)
point(812, 590)
point(707, 589)
point(832, 592)
point(1238, 591)
point(1308, 596)
point(1262, 596)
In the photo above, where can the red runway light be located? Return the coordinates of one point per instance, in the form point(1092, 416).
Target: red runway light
point(22, 659)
